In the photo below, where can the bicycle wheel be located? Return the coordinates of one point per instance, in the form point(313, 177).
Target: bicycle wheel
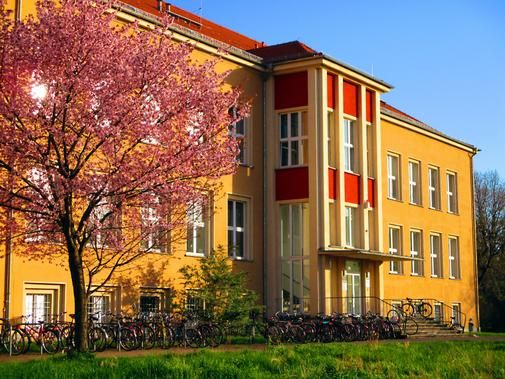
point(50, 341)
point(67, 338)
point(97, 339)
point(410, 326)
point(16, 339)
point(274, 335)
point(394, 315)
point(128, 340)
point(426, 309)
point(408, 309)
point(193, 337)
point(295, 334)
point(148, 337)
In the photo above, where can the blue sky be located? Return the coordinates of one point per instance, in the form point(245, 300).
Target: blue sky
point(446, 58)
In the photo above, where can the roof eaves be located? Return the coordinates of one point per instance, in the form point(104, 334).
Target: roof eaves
point(424, 126)
point(129, 9)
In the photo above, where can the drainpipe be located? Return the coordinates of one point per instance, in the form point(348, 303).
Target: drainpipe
point(265, 77)
point(19, 4)
point(8, 266)
point(474, 230)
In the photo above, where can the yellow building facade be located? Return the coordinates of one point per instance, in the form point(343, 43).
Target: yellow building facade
point(346, 204)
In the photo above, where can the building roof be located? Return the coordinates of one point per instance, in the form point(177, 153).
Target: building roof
point(196, 23)
point(284, 51)
point(389, 110)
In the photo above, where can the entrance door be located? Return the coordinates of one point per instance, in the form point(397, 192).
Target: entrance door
point(352, 287)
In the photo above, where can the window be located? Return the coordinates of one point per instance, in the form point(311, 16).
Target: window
point(437, 312)
point(106, 226)
point(42, 301)
point(349, 142)
point(238, 131)
point(332, 153)
point(237, 224)
point(435, 254)
point(414, 183)
point(350, 226)
point(434, 187)
point(155, 299)
point(452, 199)
point(395, 267)
point(153, 236)
point(416, 252)
point(295, 273)
point(194, 301)
point(454, 266)
point(393, 177)
point(149, 304)
point(99, 306)
point(456, 313)
point(293, 141)
point(38, 307)
point(196, 233)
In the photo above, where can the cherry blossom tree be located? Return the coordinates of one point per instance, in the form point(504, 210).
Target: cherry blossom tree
point(107, 135)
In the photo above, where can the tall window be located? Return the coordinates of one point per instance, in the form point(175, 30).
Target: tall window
point(414, 183)
point(452, 199)
point(38, 307)
point(434, 187)
point(295, 274)
point(416, 252)
point(107, 226)
point(196, 232)
point(332, 153)
point(454, 266)
point(99, 306)
point(349, 141)
point(293, 142)
point(238, 130)
point(395, 267)
point(154, 238)
point(350, 226)
point(393, 177)
point(237, 224)
point(436, 256)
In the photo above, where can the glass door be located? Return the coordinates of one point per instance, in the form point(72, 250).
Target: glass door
point(352, 287)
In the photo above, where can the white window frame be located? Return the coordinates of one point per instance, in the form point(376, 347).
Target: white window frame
point(349, 145)
point(291, 259)
point(414, 184)
point(150, 214)
point(393, 162)
point(232, 252)
point(332, 148)
point(452, 193)
point(197, 221)
point(416, 252)
point(436, 256)
point(434, 187)
point(454, 260)
point(350, 226)
point(242, 156)
point(100, 302)
point(395, 267)
point(456, 313)
point(290, 140)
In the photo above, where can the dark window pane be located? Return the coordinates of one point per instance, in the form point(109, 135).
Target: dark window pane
point(240, 214)
point(284, 126)
point(294, 124)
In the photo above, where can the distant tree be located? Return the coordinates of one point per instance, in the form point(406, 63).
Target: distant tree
point(107, 135)
point(214, 283)
point(490, 228)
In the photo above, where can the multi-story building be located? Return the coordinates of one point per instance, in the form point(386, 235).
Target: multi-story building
point(341, 200)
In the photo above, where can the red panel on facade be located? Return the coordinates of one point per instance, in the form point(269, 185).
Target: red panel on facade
point(371, 192)
point(291, 90)
point(331, 91)
point(369, 105)
point(332, 183)
point(292, 183)
point(351, 188)
point(351, 99)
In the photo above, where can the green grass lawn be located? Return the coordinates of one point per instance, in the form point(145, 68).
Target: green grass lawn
point(455, 359)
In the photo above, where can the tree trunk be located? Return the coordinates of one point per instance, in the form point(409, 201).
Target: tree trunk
point(80, 299)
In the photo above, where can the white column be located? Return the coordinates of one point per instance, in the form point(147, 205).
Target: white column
point(362, 135)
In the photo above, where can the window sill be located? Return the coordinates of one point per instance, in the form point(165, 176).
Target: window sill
point(417, 275)
point(393, 199)
point(436, 277)
point(454, 278)
point(453, 213)
point(435, 209)
point(416, 204)
point(245, 260)
point(193, 255)
point(245, 165)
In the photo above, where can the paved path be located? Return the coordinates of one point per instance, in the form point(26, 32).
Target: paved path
point(223, 348)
